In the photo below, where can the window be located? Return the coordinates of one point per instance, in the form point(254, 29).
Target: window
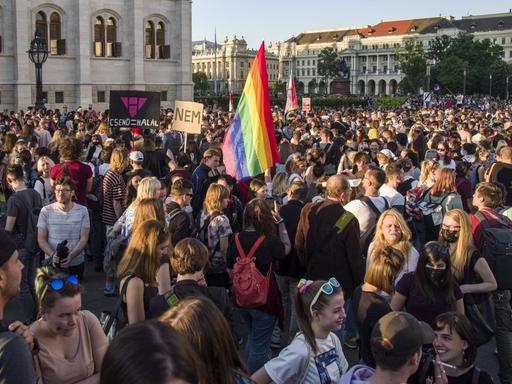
point(101, 96)
point(502, 40)
point(314, 72)
point(155, 47)
point(163, 95)
point(99, 37)
point(59, 97)
point(308, 72)
point(510, 54)
point(45, 97)
point(105, 38)
point(56, 45)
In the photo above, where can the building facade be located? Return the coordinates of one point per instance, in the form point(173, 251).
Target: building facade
point(95, 46)
point(369, 51)
point(233, 60)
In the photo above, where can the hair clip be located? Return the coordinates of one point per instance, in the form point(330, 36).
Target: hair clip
point(303, 285)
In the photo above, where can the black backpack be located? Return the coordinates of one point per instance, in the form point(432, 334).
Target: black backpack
point(371, 233)
point(95, 196)
point(497, 248)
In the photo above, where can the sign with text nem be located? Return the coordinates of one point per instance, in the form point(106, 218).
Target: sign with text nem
point(188, 116)
point(306, 104)
point(134, 109)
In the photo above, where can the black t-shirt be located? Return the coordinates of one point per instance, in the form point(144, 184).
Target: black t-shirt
point(369, 308)
point(503, 173)
point(15, 360)
point(467, 378)
point(20, 205)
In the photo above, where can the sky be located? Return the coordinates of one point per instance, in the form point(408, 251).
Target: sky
point(279, 20)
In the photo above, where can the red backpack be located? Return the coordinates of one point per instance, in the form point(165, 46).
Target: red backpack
point(249, 285)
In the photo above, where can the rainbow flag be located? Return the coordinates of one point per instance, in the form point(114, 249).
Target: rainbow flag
point(250, 143)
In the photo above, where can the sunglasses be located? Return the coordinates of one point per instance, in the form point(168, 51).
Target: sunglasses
point(57, 284)
point(327, 288)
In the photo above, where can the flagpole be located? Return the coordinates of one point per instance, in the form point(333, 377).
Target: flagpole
point(215, 65)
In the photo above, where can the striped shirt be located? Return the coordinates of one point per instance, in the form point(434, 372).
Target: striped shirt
point(62, 225)
point(114, 189)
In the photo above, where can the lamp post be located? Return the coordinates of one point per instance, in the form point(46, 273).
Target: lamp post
point(490, 85)
point(464, 83)
point(38, 53)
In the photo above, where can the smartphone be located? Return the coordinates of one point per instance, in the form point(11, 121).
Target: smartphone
point(270, 202)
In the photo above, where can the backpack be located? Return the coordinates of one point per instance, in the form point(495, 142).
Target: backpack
point(202, 232)
point(497, 248)
point(371, 233)
point(95, 196)
point(249, 285)
point(433, 213)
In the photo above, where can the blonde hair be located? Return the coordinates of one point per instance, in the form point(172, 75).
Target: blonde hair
point(427, 167)
point(41, 161)
point(117, 160)
point(214, 196)
point(379, 242)
point(465, 246)
point(147, 189)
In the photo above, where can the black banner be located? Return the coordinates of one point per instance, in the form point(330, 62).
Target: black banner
point(134, 109)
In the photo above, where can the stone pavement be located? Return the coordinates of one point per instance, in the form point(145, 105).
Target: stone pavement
point(94, 301)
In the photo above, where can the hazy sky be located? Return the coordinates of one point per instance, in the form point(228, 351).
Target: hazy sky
point(278, 20)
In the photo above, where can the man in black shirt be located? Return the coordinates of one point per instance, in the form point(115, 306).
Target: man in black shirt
point(179, 225)
point(502, 172)
point(15, 358)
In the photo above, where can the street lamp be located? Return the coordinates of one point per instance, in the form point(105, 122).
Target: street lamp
point(38, 53)
point(490, 85)
point(464, 83)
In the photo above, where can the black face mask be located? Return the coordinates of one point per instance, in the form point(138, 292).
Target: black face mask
point(449, 235)
point(436, 276)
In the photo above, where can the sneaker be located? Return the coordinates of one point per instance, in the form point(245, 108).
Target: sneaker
point(351, 342)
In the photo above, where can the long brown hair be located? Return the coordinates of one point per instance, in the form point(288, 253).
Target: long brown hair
point(149, 209)
point(445, 183)
point(215, 348)
point(140, 257)
point(258, 215)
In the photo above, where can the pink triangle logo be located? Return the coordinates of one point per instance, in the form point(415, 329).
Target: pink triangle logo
point(133, 104)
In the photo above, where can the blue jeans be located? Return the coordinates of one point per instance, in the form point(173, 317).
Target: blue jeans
point(257, 349)
point(503, 312)
point(288, 287)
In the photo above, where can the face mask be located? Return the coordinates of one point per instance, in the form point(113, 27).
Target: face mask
point(435, 275)
point(449, 235)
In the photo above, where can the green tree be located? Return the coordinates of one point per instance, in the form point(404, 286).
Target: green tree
point(278, 87)
point(478, 57)
point(326, 64)
point(200, 81)
point(414, 65)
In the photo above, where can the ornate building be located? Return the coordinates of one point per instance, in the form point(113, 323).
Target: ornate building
point(233, 59)
point(369, 50)
point(95, 46)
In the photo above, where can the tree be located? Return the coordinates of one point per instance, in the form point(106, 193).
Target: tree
point(478, 58)
point(326, 64)
point(413, 65)
point(200, 81)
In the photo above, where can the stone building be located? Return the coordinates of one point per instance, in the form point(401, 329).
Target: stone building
point(234, 61)
point(95, 46)
point(369, 51)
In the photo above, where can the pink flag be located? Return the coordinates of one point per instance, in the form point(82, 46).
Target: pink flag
point(291, 96)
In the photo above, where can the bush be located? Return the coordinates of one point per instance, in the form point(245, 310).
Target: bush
point(316, 101)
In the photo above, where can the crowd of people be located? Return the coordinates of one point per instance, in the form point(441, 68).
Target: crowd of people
point(383, 230)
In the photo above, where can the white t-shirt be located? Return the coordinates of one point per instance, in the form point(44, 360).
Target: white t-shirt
point(364, 213)
point(296, 363)
point(395, 198)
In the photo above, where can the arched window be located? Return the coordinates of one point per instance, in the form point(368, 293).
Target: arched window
point(42, 25)
point(54, 33)
point(155, 47)
point(150, 40)
point(99, 37)
point(111, 37)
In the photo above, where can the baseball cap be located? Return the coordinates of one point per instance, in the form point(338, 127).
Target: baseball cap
point(390, 155)
point(136, 156)
point(8, 247)
point(399, 334)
